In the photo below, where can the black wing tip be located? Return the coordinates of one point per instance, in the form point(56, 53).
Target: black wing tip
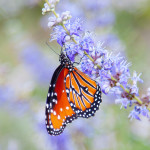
point(55, 132)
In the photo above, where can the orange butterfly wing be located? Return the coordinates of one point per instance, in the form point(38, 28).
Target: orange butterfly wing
point(58, 109)
point(83, 93)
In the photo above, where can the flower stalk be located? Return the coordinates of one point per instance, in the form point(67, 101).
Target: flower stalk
point(113, 79)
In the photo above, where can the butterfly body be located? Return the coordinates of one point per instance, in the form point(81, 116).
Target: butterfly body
point(71, 94)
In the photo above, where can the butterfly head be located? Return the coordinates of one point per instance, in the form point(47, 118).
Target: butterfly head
point(64, 60)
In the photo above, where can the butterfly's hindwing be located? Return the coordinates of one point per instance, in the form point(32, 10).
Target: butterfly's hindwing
point(84, 97)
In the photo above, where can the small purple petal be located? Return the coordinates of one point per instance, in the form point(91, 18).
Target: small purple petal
point(145, 112)
point(134, 114)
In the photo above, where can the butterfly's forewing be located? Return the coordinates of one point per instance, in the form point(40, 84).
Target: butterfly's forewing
point(58, 109)
point(83, 93)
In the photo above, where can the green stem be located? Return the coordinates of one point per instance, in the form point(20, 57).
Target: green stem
point(135, 97)
point(55, 14)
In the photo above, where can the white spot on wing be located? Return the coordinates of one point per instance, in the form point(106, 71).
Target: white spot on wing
point(58, 117)
point(48, 95)
point(67, 90)
point(54, 112)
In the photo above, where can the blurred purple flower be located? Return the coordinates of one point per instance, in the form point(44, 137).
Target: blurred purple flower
point(59, 34)
point(87, 67)
point(123, 101)
point(36, 61)
point(144, 112)
point(104, 19)
point(6, 94)
point(134, 114)
point(74, 8)
point(87, 43)
point(136, 78)
point(62, 142)
point(97, 5)
point(82, 127)
point(11, 101)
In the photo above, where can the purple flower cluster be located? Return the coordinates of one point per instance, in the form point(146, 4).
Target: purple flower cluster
point(134, 114)
point(31, 56)
point(9, 100)
point(111, 71)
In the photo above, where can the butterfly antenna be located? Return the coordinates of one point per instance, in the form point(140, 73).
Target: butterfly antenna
point(51, 48)
point(63, 47)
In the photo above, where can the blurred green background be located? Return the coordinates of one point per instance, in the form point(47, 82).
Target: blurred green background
point(21, 113)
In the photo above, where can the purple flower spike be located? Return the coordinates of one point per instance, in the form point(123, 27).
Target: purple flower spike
point(123, 101)
point(87, 66)
point(136, 78)
point(109, 69)
point(134, 114)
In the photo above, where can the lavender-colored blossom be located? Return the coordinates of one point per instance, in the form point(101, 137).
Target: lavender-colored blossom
point(53, 21)
point(75, 27)
point(145, 112)
point(120, 70)
point(134, 89)
point(123, 101)
point(60, 34)
point(87, 67)
point(71, 50)
point(45, 9)
point(50, 7)
point(134, 114)
point(87, 43)
point(62, 142)
point(117, 91)
point(136, 78)
point(113, 66)
point(105, 86)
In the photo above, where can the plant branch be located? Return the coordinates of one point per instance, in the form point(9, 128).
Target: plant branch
point(125, 89)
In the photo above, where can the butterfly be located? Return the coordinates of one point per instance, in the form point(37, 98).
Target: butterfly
point(71, 94)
